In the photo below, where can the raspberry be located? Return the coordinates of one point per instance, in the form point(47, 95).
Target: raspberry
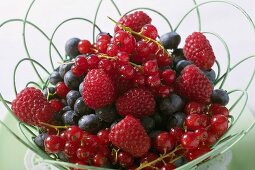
point(198, 50)
point(130, 136)
point(31, 107)
point(98, 90)
point(135, 21)
point(194, 85)
point(137, 102)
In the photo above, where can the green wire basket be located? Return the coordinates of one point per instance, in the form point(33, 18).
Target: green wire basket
point(238, 102)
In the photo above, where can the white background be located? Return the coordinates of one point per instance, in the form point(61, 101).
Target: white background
point(47, 14)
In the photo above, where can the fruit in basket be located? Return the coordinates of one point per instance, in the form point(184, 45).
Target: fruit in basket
point(126, 101)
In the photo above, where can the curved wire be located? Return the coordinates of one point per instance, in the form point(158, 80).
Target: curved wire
point(219, 1)
point(17, 65)
point(152, 10)
point(56, 29)
point(198, 16)
point(228, 56)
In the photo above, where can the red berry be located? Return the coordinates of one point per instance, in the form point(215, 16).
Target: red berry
point(54, 144)
point(91, 141)
point(164, 59)
point(99, 90)
point(138, 102)
point(102, 46)
point(104, 37)
point(150, 67)
point(31, 107)
point(194, 108)
point(62, 89)
point(77, 71)
point(153, 47)
point(112, 50)
point(164, 90)
point(135, 21)
point(197, 121)
point(150, 31)
point(149, 157)
point(100, 160)
point(103, 136)
point(139, 80)
point(124, 41)
point(189, 141)
point(127, 71)
point(193, 154)
point(74, 133)
point(154, 81)
point(216, 109)
point(194, 85)
point(93, 61)
point(122, 58)
point(177, 133)
point(85, 153)
point(168, 76)
point(168, 167)
point(71, 148)
point(130, 136)
point(164, 142)
point(56, 105)
point(84, 47)
point(143, 50)
point(202, 134)
point(198, 50)
point(81, 62)
point(125, 159)
point(106, 65)
point(212, 138)
point(219, 124)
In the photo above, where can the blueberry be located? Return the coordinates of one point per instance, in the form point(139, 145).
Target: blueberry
point(55, 78)
point(220, 96)
point(177, 60)
point(64, 68)
point(62, 156)
point(176, 120)
point(81, 108)
point(170, 40)
point(211, 75)
point(65, 109)
point(158, 120)
point(107, 114)
point(39, 140)
point(179, 162)
point(148, 124)
point(182, 64)
point(49, 92)
point(90, 123)
point(71, 47)
point(178, 53)
point(171, 104)
point(81, 88)
point(57, 117)
point(72, 81)
point(70, 118)
point(71, 97)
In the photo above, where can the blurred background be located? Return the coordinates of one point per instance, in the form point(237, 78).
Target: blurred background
point(221, 18)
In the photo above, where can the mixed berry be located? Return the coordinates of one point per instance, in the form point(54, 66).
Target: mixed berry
point(129, 100)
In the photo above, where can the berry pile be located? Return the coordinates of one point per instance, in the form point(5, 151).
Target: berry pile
point(129, 100)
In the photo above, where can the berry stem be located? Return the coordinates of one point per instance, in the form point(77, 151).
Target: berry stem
point(140, 35)
point(54, 127)
point(162, 157)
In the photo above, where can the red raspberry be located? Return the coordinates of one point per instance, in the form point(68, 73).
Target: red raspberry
point(137, 102)
point(31, 107)
point(198, 50)
point(135, 21)
point(130, 136)
point(194, 85)
point(98, 90)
